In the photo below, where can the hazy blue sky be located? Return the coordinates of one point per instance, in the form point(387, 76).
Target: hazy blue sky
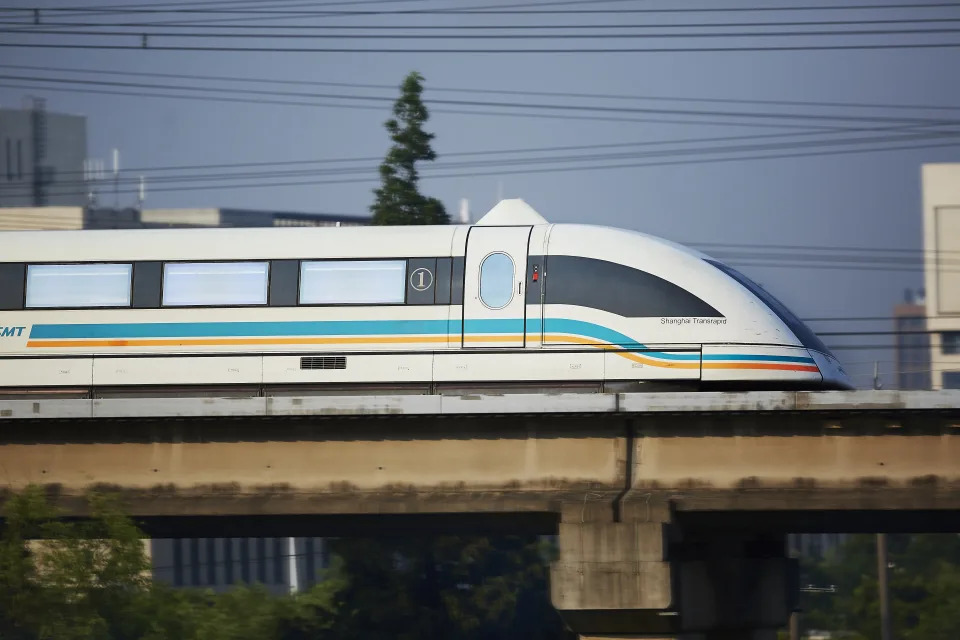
point(867, 199)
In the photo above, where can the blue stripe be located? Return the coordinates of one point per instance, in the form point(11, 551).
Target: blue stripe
point(370, 328)
point(243, 329)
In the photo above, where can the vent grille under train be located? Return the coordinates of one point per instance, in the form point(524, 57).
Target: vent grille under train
point(323, 362)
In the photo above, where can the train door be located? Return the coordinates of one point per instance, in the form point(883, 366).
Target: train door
point(493, 288)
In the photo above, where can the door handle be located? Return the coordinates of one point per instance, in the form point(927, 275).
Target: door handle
point(519, 287)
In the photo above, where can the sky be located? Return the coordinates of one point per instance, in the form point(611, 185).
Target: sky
point(688, 144)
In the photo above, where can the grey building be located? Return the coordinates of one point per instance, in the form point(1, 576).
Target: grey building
point(911, 343)
point(91, 217)
point(219, 563)
point(41, 157)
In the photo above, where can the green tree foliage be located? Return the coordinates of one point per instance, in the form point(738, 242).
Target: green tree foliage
point(399, 200)
point(68, 580)
point(89, 579)
point(469, 588)
point(924, 580)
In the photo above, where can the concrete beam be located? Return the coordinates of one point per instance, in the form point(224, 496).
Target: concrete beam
point(899, 402)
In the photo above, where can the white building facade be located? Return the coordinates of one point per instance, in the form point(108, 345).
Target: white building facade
point(941, 243)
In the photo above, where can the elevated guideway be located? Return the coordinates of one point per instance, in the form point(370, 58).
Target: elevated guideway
point(671, 509)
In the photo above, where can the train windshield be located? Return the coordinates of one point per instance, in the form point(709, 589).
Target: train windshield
point(807, 337)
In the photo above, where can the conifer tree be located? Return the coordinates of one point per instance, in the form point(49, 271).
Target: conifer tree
point(399, 200)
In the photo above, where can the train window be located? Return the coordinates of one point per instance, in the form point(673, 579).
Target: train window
point(496, 280)
point(78, 285)
point(214, 284)
point(353, 282)
point(619, 289)
point(807, 337)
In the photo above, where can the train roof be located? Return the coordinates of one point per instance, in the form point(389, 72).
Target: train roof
point(214, 243)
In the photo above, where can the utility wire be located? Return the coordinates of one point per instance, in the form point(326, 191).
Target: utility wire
point(501, 51)
point(483, 91)
point(101, 32)
point(493, 152)
point(490, 27)
point(474, 174)
point(515, 114)
point(552, 160)
point(499, 11)
point(554, 107)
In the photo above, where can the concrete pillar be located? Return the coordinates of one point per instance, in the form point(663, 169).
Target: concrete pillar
point(738, 586)
point(612, 577)
point(648, 579)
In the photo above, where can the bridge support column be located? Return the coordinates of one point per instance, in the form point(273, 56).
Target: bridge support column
point(648, 579)
point(612, 579)
point(734, 586)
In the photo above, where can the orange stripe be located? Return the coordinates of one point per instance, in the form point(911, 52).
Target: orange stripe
point(760, 365)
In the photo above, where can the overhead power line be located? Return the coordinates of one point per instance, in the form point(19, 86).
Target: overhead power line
point(508, 164)
point(485, 91)
point(540, 106)
point(493, 152)
point(513, 114)
point(524, 171)
point(495, 10)
point(101, 32)
point(500, 51)
point(483, 27)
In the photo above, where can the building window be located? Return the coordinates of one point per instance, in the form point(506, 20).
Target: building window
point(496, 280)
point(177, 563)
point(214, 284)
point(951, 379)
point(211, 563)
point(78, 285)
point(950, 342)
point(353, 282)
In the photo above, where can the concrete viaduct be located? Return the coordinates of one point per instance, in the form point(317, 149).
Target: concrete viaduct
point(671, 510)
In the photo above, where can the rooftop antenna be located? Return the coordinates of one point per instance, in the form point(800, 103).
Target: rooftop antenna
point(464, 211)
point(142, 193)
point(116, 178)
point(92, 175)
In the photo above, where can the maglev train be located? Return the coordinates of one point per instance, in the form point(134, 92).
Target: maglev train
point(510, 302)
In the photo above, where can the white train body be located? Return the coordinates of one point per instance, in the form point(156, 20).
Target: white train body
point(509, 301)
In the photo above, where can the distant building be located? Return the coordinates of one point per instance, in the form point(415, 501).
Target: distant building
point(219, 563)
point(42, 157)
point(941, 244)
point(47, 218)
point(911, 343)
point(815, 546)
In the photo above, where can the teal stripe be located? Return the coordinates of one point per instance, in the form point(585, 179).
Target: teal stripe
point(242, 329)
point(146, 330)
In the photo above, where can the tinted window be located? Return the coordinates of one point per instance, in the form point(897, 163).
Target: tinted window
point(619, 289)
point(78, 285)
point(951, 379)
point(11, 286)
point(950, 342)
point(214, 283)
point(496, 280)
point(353, 282)
point(807, 337)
